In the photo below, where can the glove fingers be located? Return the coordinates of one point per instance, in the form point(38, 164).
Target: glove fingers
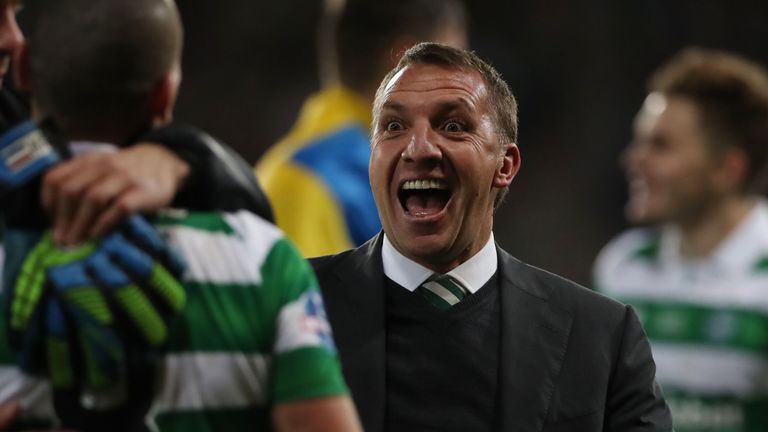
point(160, 286)
point(100, 349)
point(142, 314)
point(58, 350)
point(164, 285)
point(28, 290)
point(84, 313)
point(137, 230)
point(103, 354)
point(29, 284)
point(134, 303)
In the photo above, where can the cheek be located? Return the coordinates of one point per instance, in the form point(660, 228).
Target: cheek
point(381, 167)
point(683, 171)
point(376, 163)
point(665, 168)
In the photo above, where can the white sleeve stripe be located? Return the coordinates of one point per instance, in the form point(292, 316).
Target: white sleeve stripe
point(218, 257)
point(34, 394)
point(213, 380)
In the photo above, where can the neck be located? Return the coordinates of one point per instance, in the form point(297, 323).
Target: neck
point(439, 264)
point(701, 237)
point(112, 132)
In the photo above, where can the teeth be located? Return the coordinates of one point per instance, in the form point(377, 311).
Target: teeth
point(424, 184)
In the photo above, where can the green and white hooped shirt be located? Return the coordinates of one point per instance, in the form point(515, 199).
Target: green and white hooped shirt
point(707, 320)
point(253, 332)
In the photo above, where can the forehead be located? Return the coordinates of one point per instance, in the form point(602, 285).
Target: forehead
point(668, 115)
point(424, 84)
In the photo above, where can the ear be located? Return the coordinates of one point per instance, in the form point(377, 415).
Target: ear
point(164, 97)
point(732, 171)
point(508, 166)
point(22, 74)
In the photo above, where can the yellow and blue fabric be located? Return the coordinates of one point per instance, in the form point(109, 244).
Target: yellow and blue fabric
point(317, 177)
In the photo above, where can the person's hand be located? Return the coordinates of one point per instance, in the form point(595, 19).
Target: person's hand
point(92, 193)
point(8, 413)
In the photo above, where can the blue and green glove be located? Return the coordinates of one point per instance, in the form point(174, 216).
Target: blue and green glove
point(84, 309)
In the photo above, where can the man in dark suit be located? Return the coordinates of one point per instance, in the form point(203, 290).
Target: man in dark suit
point(437, 327)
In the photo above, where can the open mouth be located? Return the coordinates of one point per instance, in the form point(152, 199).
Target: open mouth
point(422, 198)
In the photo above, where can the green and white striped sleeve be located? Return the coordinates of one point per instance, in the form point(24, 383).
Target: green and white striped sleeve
point(305, 360)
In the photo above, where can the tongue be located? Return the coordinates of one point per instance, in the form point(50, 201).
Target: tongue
point(425, 204)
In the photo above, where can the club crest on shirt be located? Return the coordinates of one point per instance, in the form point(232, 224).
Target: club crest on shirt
point(315, 320)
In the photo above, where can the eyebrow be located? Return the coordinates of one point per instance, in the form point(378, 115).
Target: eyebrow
point(458, 105)
point(394, 106)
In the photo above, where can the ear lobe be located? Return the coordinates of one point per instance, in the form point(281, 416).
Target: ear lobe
point(733, 168)
point(164, 98)
point(509, 165)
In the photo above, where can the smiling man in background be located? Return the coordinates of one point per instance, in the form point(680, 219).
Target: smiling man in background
point(698, 275)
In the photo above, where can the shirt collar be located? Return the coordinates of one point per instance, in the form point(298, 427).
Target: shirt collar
point(747, 241)
point(735, 253)
point(473, 273)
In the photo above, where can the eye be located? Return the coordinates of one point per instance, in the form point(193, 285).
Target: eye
point(453, 126)
point(393, 126)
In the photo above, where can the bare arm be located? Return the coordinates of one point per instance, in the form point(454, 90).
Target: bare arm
point(188, 168)
point(8, 413)
point(331, 414)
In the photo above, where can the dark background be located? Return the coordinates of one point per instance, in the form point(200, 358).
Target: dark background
point(578, 69)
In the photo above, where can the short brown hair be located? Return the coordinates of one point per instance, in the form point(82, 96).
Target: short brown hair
point(501, 99)
point(95, 64)
point(731, 94)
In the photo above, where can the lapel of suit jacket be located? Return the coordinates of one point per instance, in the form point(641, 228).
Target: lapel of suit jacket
point(534, 338)
point(361, 334)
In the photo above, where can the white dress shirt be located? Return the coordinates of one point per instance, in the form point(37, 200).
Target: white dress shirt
point(472, 273)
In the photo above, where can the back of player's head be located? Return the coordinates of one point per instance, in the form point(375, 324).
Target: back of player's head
point(360, 34)
point(96, 64)
point(731, 96)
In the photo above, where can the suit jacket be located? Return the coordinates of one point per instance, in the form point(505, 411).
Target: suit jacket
point(570, 359)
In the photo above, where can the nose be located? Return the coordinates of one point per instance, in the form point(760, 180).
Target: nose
point(422, 145)
point(10, 34)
